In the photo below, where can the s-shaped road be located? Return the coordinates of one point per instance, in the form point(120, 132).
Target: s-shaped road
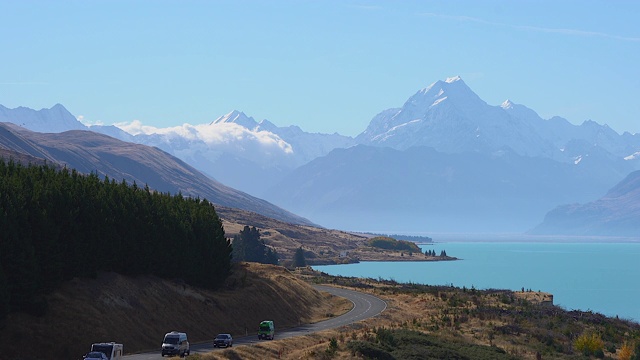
point(364, 306)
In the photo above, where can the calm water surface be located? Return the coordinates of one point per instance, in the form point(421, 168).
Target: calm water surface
point(601, 277)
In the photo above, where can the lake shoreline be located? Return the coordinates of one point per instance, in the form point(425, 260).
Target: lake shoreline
point(594, 275)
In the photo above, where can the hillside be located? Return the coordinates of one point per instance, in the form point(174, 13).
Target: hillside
point(10, 155)
point(321, 246)
point(615, 214)
point(139, 311)
point(89, 152)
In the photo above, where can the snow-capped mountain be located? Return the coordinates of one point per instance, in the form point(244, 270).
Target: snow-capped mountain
point(235, 149)
point(563, 134)
point(450, 117)
point(303, 146)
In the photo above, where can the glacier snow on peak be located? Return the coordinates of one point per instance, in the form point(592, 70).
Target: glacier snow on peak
point(438, 101)
point(453, 79)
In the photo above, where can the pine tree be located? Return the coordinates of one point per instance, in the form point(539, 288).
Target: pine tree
point(247, 246)
point(298, 258)
point(271, 257)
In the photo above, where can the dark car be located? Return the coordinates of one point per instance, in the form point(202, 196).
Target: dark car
point(223, 340)
point(95, 355)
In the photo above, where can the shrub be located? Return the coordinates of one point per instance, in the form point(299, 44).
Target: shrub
point(589, 344)
point(625, 352)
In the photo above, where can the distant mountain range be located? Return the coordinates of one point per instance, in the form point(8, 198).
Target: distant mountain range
point(444, 161)
point(236, 150)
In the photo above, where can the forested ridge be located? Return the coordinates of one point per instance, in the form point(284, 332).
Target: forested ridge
point(59, 224)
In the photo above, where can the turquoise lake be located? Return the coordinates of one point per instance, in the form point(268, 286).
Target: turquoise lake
point(601, 277)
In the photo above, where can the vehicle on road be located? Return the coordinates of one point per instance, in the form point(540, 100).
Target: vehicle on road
point(95, 355)
point(266, 330)
point(112, 350)
point(223, 340)
point(175, 343)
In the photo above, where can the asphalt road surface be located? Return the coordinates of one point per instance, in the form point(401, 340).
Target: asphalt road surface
point(364, 306)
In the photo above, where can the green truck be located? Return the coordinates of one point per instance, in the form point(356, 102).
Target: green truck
point(266, 330)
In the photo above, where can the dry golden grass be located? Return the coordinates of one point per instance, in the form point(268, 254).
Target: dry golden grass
point(139, 311)
point(450, 315)
point(323, 246)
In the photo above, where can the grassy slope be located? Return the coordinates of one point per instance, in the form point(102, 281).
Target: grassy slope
point(139, 311)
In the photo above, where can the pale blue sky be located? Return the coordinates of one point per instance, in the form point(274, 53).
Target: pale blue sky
point(327, 66)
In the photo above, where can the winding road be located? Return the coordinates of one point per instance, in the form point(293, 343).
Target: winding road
point(364, 306)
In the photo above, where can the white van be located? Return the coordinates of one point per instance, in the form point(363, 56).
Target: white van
point(175, 343)
point(113, 350)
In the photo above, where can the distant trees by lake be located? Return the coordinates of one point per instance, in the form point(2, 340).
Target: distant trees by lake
point(59, 224)
point(412, 238)
point(389, 243)
point(430, 252)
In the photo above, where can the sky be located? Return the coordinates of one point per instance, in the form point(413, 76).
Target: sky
point(326, 66)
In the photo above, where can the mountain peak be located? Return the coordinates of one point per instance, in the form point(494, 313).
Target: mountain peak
point(440, 86)
point(453, 88)
point(507, 104)
point(453, 79)
point(237, 117)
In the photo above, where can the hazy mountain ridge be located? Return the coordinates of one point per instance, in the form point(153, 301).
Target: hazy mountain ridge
point(53, 120)
point(617, 213)
point(384, 189)
point(88, 152)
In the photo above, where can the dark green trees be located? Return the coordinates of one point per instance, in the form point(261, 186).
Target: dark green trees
point(57, 225)
point(249, 247)
point(298, 258)
point(443, 253)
